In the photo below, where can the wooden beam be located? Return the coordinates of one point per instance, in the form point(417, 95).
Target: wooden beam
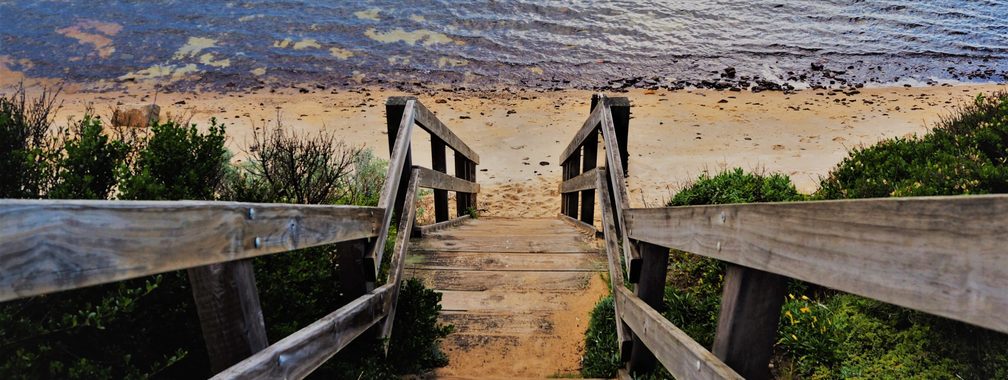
point(436, 180)
point(590, 162)
point(398, 261)
point(584, 181)
point(941, 255)
point(230, 315)
point(620, 108)
point(297, 355)
point(442, 225)
point(619, 195)
point(590, 125)
point(683, 357)
point(747, 325)
point(439, 163)
point(400, 153)
point(52, 245)
point(651, 290)
point(462, 199)
point(616, 276)
point(432, 125)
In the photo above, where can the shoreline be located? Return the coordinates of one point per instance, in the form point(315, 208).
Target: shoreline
point(674, 135)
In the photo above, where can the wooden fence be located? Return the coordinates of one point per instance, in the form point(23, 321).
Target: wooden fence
point(940, 255)
point(55, 245)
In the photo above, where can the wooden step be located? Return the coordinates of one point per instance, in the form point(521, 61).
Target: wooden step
point(518, 291)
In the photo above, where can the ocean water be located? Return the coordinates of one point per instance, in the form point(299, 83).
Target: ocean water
point(588, 44)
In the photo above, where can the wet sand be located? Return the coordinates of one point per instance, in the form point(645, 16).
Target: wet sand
point(674, 135)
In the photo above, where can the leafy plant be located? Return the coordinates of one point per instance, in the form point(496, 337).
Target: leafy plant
point(25, 125)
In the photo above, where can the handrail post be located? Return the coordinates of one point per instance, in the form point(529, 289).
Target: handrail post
point(590, 161)
point(620, 109)
point(572, 168)
point(353, 270)
point(463, 168)
point(394, 109)
point(747, 325)
point(230, 315)
point(650, 288)
point(439, 163)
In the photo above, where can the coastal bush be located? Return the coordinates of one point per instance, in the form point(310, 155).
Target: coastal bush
point(25, 127)
point(601, 357)
point(964, 154)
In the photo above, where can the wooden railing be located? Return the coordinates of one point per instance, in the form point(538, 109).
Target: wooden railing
point(941, 255)
point(54, 245)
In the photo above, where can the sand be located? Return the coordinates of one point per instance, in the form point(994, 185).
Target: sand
point(674, 135)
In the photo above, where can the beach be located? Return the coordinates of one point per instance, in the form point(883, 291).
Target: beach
point(675, 136)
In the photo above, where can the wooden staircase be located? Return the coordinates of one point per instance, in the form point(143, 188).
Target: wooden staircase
point(518, 291)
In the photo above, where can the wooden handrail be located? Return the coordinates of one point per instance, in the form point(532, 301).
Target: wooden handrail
point(941, 255)
point(54, 245)
point(302, 352)
point(430, 123)
point(437, 180)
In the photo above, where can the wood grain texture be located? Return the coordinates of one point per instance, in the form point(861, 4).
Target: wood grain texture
point(747, 324)
point(941, 255)
point(231, 319)
point(51, 245)
point(431, 228)
point(398, 261)
point(590, 125)
point(431, 124)
point(584, 181)
point(616, 274)
point(683, 357)
point(618, 193)
point(651, 290)
point(436, 180)
point(300, 353)
point(398, 161)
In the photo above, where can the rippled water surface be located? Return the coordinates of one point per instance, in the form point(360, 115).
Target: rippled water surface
point(540, 43)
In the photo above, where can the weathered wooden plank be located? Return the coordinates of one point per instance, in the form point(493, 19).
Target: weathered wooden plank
point(394, 187)
point(651, 290)
point(941, 255)
point(620, 109)
point(436, 180)
point(297, 355)
point(616, 276)
point(430, 123)
point(484, 280)
point(51, 245)
point(398, 260)
point(584, 181)
point(230, 315)
point(589, 162)
point(590, 125)
point(582, 226)
point(683, 357)
point(747, 325)
point(501, 261)
point(431, 228)
point(618, 192)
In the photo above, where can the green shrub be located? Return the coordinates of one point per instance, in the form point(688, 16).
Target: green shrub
point(178, 162)
point(964, 154)
point(25, 125)
point(601, 357)
point(88, 163)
